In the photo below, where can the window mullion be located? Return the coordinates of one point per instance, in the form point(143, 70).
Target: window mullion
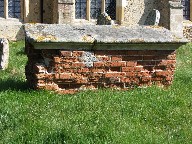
point(103, 6)
point(6, 9)
point(88, 12)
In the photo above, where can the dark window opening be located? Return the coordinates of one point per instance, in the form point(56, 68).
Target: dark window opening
point(80, 9)
point(14, 9)
point(186, 9)
point(111, 8)
point(95, 8)
point(1, 8)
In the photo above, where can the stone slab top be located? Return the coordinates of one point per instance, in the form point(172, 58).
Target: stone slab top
point(101, 34)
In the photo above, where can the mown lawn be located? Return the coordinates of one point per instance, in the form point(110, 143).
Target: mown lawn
point(140, 116)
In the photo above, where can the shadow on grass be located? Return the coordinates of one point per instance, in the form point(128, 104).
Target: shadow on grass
point(21, 52)
point(57, 137)
point(11, 84)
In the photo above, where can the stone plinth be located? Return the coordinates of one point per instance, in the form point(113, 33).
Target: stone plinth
point(176, 18)
point(68, 58)
point(4, 53)
point(66, 11)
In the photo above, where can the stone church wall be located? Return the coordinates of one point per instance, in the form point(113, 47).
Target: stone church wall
point(136, 11)
point(164, 8)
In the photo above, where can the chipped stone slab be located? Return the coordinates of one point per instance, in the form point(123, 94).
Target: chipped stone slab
point(89, 36)
point(4, 53)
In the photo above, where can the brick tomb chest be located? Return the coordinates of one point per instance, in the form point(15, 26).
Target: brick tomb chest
point(70, 58)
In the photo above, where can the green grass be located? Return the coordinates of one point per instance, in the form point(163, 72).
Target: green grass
point(140, 116)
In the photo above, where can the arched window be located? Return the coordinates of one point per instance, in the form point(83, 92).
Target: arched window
point(186, 9)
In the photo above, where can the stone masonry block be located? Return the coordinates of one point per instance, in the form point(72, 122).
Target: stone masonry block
point(4, 53)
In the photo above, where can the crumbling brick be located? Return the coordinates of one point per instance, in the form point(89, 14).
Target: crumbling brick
point(67, 73)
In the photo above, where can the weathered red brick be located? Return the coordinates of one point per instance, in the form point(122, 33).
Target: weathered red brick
point(116, 69)
point(104, 58)
point(163, 73)
point(138, 68)
point(131, 63)
point(50, 76)
point(116, 64)
point(56, 59)
point(56, 75)
point(130, 74)
point(171, 57)
point(51, 87)
point(114, 74)
point(40, 76)
point(170, 67)
point(169, 78)
point(77, 53)
point(65, 76)
point(68, 59)
point(145, 79)
point(125, 80)
point(77, 75)
point(144, 73)
point(82, 80)
point(77, 65)
point(114, 80)
point(66, 65)
point(41, 82)
point(65, 53)
point(157, 79)
point(128, 69)
point(99, 64)
point(135, 80)
point(116, 58)
point(98, 69)
point(82, 70)
point(94, 79)
point(96, 75)
point(167, 62)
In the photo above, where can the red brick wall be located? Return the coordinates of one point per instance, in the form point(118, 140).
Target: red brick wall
point(66, 72)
